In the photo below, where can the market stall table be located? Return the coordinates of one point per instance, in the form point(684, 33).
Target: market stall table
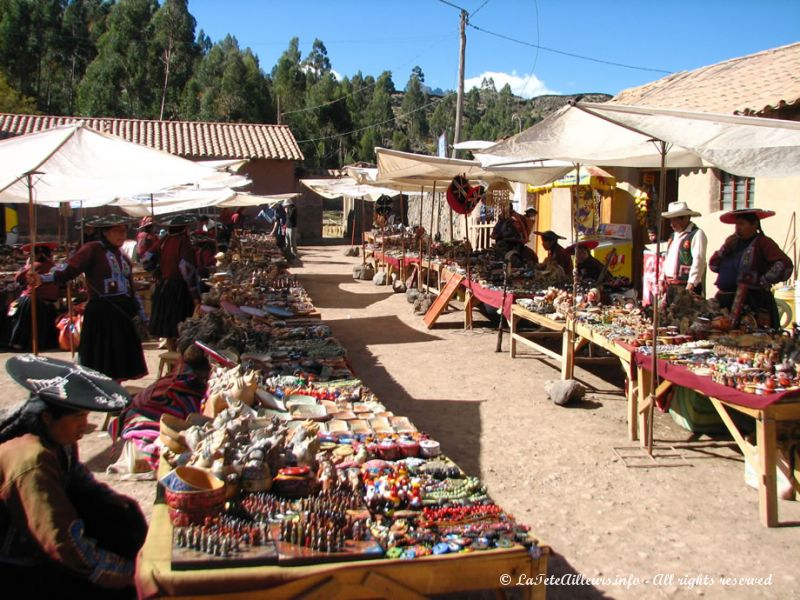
point(768, 410)
point(583, 335)
point(554, 329)
point(385, 578)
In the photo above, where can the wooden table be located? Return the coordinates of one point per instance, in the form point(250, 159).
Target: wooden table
point(763, 455)
point(380, 578)
point(554, 329)
point(583, 335)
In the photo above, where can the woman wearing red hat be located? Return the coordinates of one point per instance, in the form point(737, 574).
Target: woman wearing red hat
point(747, 266)
point(46, 298)
point(63, 533)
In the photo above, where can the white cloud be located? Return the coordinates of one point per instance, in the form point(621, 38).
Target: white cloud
point(526, 86)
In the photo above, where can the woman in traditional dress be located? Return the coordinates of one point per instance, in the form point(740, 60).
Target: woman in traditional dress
point(46, 298)
point(177, 290)
point(64, 534)
point(589, 268)
point(747, 266)
point(109, 339)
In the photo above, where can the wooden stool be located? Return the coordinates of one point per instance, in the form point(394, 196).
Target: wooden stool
point(169, 359)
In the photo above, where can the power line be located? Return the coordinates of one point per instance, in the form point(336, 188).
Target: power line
point(360, 129)
point(474, 12)
point(454, 6)
point(573, 55)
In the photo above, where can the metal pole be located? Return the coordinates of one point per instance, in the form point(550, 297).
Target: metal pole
point(460, 97)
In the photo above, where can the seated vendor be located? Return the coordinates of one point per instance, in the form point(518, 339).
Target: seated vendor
point(65, 535)
point(47, 296)
point(589, 268)
point(555, 253)
point(179, 393)
point(511, 232)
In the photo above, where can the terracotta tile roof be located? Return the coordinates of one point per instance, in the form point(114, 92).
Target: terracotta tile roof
point(754, 84)
point(189, 139)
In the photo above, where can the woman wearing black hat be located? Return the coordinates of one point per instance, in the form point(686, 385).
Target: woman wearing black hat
point(747, 266)
point(177, 290)
point(46, 298)
point(109, 339)
point(63, 533)
point(555, 253)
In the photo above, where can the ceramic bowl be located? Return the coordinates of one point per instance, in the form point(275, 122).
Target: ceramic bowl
point(193, 490)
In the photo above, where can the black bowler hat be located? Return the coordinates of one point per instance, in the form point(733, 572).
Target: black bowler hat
point(549, 235)
point(66, 384)
point(179, 221)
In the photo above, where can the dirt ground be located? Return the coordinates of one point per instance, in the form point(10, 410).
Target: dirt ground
point(678, 529)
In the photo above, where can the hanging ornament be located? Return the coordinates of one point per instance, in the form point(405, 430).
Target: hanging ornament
point(461, 197)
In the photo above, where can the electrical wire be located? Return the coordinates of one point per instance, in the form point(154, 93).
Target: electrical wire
point(474, 12)
point(564, 53)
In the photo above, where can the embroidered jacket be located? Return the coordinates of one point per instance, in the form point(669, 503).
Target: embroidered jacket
point(690, 263)
point(108, 271)
point(37, 518)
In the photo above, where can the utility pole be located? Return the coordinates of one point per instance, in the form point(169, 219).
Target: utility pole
point(460, 97)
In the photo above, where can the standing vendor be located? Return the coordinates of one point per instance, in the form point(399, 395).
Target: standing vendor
point(177, 290)
point(109, 340)
point(64, 534)
point(589, 268)
point(555, 253)
point(685, 262)
point(747, 265)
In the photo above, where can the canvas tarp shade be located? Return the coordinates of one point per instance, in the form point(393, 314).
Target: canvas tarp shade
point(76, 163)
point(182, 200)
point(347, 186)
point(397, 168)
point(617, 135)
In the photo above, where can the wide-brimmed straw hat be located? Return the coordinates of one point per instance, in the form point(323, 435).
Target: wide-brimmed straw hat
point(731, 216)
point(679, 209)
point(588, 244)
point(66, 384)
point(549, 235)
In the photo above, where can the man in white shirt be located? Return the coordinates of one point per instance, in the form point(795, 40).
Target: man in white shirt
point(685, 261)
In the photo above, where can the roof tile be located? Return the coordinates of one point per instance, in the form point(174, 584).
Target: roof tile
point(752, 84)
point(190, 139)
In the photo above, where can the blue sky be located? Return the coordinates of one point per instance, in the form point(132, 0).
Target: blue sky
point(396, 35)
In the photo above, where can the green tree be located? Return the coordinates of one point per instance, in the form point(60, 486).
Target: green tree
point(120, 82)
point(228, 86)
point(414, 101)
point(379, 114)
point(12, 101)
point(317, 64)
point(174, 49)
point(289, 81)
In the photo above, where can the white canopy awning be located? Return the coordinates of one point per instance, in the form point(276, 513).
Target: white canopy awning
point(617, 135)
point(347, 186)
point(76, 163)
point(404, 168)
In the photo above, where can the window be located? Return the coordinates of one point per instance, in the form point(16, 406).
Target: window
point(736, 192)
